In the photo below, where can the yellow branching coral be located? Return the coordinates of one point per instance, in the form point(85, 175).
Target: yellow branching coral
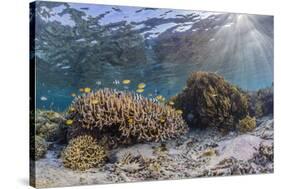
point(247, 124)
point(83, 153)
point(209, 100)
point(126, 116)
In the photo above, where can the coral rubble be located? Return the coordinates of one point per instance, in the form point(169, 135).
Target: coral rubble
point(209, 100)
point(83, 152)
point(125, 117)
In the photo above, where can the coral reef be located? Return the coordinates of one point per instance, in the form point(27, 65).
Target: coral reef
point(49, 125)
point(230, 166)
point(139, 167)
point(125, 117)
point(40, 147)
point(209, 100)
point(261, 162)
point(202, 153)
point(261, 102)
point(83, 152)
point(265, 155)
point(247, 124)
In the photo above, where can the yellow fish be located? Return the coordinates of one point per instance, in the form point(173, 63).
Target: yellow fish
point(130, 121)
point(87, 90)
point(95, 101)
point(69, 122)
point(171, 103)
point(179, 111)
point(141, 85)
point(72, 109)
point(139, 90)
point(73, 94)
point(126, 81)
point(81, 90)
point(159, 97)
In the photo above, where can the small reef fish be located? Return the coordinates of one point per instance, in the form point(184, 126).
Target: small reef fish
point(81, 90)
point(95, 101)
point(116, 82)
point(179, 111)
point(87, 90)
point(141, 85)
point(69, 122)
point(43, 98)
point(71, 109)
point(150, 94)
point(138, 97)
point(126, 81)
point(139, 90)
point(171, 103)
point(160, 98)
point(130, 121)
point(73, 94)
point(154, 100)
point(98, 82)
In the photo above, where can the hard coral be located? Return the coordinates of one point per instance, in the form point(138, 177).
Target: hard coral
point(261, 102)
point(209, 100)
point(126, 117)
point(48, 125)
point(83, 152)
point(247, 124)
point(40, 147)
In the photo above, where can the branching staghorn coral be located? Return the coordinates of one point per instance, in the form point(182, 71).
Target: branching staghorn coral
point(209, 100)
point(126, 117)
point(83, 152)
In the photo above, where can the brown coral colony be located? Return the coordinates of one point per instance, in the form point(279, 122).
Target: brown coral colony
point(133, 117)
point(83, 153)
point(108, 118)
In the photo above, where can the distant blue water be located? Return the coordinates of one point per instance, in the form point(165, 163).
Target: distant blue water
point(240, 49)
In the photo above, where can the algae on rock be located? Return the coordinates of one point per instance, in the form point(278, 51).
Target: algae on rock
point(209, 100)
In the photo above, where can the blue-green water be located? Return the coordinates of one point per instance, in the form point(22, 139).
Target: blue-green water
point(97, 46)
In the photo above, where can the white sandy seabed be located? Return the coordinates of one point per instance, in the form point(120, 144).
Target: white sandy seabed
point(199, 154)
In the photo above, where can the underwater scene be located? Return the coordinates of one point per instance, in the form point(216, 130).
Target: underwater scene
point(126, 94)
